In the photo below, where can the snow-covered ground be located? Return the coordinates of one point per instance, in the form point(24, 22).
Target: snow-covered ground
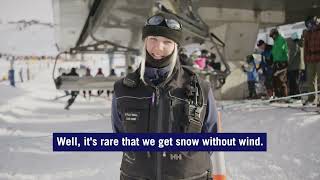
point(29, 116)
point(293, 142)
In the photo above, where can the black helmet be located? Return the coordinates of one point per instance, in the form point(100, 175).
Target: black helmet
point(260, 42)
point(273, 32)
point(311, 22)
point(250, 58)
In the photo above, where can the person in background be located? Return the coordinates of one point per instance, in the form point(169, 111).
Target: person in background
point(21, 74)
point(211, 61)
point(183, 57)
point(252, 75)
point(112, 72)
point(295, 64)
point(266, 65)
point(108, 93)
point(201, 61)
point(280, 63)
point(74, 94)
point(311, 39)
point(88, 74)
point(100, 74)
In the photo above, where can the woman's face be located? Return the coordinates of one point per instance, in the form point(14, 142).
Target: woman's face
point(159, 47)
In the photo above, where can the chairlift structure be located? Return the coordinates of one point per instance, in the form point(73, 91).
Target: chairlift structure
point(195, 29)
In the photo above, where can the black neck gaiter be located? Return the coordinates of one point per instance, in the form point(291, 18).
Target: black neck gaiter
point(157, 63)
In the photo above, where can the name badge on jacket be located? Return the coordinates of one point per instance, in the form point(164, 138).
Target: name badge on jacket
point(132, 116)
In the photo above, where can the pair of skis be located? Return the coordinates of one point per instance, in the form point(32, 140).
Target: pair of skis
point(258, 101)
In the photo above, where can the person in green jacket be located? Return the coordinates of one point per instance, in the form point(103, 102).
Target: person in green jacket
point(280, 60)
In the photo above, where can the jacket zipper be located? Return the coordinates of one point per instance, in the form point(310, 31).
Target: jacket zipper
point(159, 126)
point(158, 109)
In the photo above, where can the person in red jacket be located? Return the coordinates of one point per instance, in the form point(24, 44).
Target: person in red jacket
point(312, 56)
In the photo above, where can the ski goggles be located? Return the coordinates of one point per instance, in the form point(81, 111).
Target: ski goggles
point(157, 20)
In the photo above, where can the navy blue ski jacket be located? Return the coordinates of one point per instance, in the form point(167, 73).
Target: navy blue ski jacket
point(155, 75)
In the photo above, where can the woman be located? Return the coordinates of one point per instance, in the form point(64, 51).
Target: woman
point(163, 97)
